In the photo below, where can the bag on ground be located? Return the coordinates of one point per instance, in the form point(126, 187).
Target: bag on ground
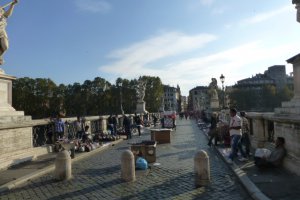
point(141, 163)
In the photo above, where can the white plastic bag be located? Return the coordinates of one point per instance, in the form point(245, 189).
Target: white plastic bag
point(262, 153)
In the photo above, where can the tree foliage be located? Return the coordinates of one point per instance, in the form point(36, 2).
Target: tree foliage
point(264, 98)
point(43, 98)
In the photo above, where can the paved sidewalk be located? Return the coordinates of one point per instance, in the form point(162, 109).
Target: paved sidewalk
point(275, 184)
point(172, 176)
point(19, 174)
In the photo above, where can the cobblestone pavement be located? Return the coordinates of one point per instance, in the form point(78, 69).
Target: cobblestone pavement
point(98, 177)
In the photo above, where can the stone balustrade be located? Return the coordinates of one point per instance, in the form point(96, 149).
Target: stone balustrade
point(23, 140)
point(266, 127)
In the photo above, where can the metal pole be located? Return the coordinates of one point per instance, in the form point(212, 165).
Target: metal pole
point(121, 101)
point(223, 95)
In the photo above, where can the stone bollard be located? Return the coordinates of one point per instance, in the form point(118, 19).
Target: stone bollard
point(63, 167)
point(127, 166)
point(202, 168)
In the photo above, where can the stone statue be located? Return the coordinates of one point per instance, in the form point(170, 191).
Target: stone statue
point(297, 2)
point(3, 35)
point(213, 88)
point(140, 90)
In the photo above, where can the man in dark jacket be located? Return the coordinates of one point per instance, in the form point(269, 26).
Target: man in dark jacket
point(138, 123)
point(213, 130)
point(127, 126)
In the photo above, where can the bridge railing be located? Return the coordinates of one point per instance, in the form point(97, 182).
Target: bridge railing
point(43, 129)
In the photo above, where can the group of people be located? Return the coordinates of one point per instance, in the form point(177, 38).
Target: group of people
point(128, 126)
point(239, 132)
point(80, 129)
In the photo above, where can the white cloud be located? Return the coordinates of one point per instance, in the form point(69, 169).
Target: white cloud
point(206, 2)
point(195, 5)
point(219, 10)
point(266, 15)
point(236, 63)
point(94, 6)
point(137, 57)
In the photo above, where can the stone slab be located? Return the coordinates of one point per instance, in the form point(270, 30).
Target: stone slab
point(16, 118)
point(288, 110)
point(141, 107)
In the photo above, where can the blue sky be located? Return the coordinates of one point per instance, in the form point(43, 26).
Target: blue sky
point(185, 42)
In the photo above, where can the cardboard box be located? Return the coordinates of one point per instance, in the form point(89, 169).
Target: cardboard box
point(146, 149)
point(161, 136)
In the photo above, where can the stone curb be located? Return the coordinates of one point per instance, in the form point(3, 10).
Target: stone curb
point(251, 188)
point(12, 184)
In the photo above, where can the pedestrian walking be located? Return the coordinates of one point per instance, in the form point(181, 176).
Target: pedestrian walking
point(138, 123)
point(213, 133)
point(235, 130)
point(127, 126)
point(245, 141)
point(59, 128)
point(115, 123)
point(79, 126)
point(110, 125)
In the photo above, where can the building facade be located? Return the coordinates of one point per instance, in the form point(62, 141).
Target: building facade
point(184, 103)
point(275, 75)
point(172, 98)
point(199, 99)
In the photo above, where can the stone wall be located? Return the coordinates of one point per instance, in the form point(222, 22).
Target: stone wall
point(15, 139)
point(284, 126)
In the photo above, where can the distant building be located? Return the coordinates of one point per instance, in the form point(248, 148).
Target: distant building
point(184, 103)
point(198, 99)
point(172, 98)
point(275, 75)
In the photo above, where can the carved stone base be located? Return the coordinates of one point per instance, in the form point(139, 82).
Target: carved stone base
point(289, 108)
point(6, 94)
point(214, 104)
point(141, 107)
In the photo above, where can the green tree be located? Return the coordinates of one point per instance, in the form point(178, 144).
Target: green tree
point(264, 98)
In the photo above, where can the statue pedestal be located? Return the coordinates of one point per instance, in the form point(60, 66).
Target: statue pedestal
point(214, 104)
point(6, 109)
point(292, 107)
point(141, 107)
point(286, 121)
point(15, 128)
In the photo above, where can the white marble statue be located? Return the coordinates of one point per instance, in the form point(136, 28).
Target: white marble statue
point(297, 3)
point(213, 88)
point(140, 90)
point(4, 14)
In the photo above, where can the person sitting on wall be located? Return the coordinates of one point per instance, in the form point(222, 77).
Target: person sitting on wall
point(271, 159)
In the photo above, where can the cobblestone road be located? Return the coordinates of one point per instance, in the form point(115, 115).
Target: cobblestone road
point(98, 177)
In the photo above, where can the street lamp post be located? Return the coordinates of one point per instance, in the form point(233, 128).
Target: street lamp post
point(121, 97)
point(222, 78)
